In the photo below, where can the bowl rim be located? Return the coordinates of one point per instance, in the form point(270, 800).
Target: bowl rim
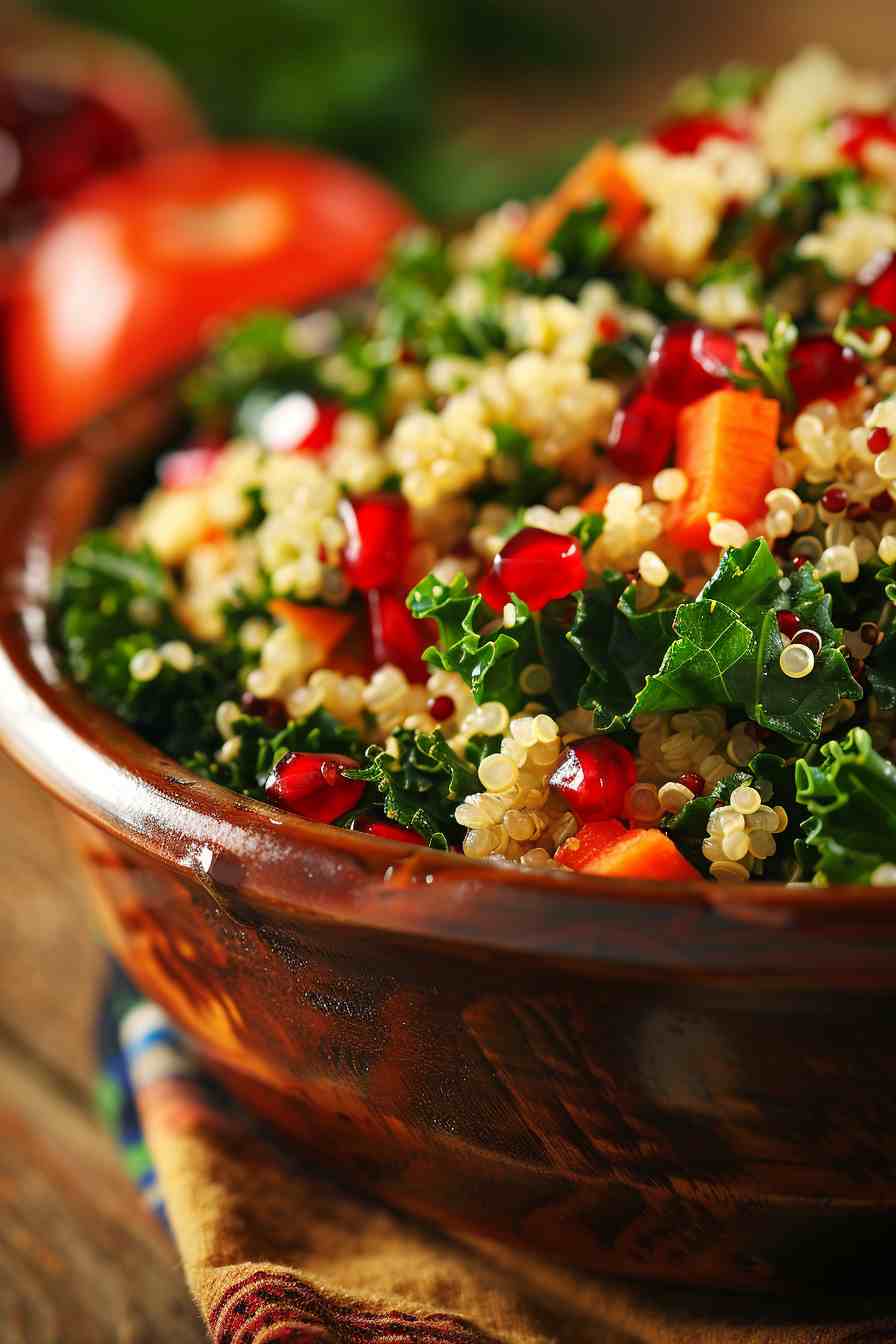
point(102, 770)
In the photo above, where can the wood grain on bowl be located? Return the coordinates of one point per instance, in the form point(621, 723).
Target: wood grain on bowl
point(683, 1082)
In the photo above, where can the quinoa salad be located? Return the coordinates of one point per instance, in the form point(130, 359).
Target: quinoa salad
point(575, 545)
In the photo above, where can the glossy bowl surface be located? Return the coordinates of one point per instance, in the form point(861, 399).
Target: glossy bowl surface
point(687, 1082)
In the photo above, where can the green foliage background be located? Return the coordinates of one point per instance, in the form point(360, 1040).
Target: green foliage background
point(383, 81)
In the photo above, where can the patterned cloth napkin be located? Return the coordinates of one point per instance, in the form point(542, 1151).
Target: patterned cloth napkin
point(272, 1251)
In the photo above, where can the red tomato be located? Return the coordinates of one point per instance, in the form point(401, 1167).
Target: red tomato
point(129, 278)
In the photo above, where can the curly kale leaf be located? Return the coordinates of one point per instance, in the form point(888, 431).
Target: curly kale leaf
point(489, 658)
point(727, 648)
point(422, 787)
point(850, 794)
point(98, 627)
point(619, 645)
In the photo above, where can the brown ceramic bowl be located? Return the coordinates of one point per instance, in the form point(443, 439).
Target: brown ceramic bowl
point(691, 1083)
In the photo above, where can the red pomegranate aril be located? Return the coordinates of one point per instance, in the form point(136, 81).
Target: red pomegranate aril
point(538, 567)
point(396, 636)
point(788, 623)
point(822, 369)
point(857, 512)
point(799, 561)
point(378, 529)
point(856, 130)
point(834, 499)
point(882, 503)
point(687, 362)
point(642, 435)
point(593, 777)
point(879, 440)
point(314, 786)
point(810, 638)
point(691, 780)
point(685, 135)
point(441, 707)
point(879, 279)
point(387, 830)
point(189, 467)
point(272, 712)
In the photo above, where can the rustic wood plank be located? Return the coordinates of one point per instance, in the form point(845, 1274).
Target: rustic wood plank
point(81, 1260)
point(50, 961)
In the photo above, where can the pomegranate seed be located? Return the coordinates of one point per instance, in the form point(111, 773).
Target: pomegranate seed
point(834, 499)
point(685, 135)
point(314, 786)
point(857, 668)
point(856, 130)
point(191, 466)
point(538, 566)
point(882, 503)
point(378, 542)
point(800, 560)
point(822, 368)
point(691, 780)
point(788, 623)
point(858, 512)
point(687, 362)
point(441, 708)
point(608, 327)
point(879, 440)
point(879, 277)
point(387, 830)
point(642, 435)
point(396, 636)
point(810, 638)
point(272, 712)
point(593, 777)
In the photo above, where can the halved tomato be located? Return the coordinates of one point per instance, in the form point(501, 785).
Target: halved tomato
point(130, 277)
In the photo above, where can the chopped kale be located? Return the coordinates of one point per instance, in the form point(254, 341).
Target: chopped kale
point(849, 792)
point(422, 787)
point(727, 647)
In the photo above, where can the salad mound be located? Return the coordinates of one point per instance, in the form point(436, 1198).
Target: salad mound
point(576, 546)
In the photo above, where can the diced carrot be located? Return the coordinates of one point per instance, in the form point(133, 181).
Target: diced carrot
point(600, 175)
point(323, 626)
point(589, 843)
point(596, 499)
point(643, 853)
point(725, 445)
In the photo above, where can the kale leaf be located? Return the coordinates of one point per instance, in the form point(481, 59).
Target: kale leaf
point(850, 794)
point(262, 746)
point(727, 648)
point(489, 657)
point(422, 787)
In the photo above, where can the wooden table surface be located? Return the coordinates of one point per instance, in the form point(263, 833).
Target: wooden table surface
point(81, 1261)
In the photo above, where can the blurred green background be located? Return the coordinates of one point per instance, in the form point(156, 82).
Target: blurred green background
point(464, 102)
point(382, 82)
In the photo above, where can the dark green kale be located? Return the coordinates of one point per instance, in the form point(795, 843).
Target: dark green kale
point(489, 656)
point(111, 604)
point(849, 792)
point(619, 645)
point(727, 648)
point(422, 787)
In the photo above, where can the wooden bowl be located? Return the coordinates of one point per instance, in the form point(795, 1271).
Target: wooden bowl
point(687, 1082)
